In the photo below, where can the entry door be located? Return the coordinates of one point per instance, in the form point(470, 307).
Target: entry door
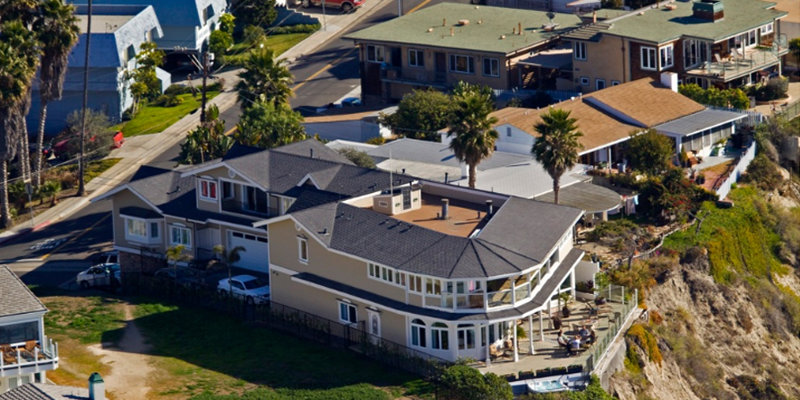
point(441, 66)
point(374, 326)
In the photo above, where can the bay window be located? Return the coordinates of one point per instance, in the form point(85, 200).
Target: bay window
point(666, 54)
point(142, 230)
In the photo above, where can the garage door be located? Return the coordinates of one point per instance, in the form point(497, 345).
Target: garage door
point(256, 256)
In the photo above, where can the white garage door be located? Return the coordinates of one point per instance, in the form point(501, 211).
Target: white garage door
point(256, 256)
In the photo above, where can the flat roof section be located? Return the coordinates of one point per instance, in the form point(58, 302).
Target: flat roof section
point(464, 217)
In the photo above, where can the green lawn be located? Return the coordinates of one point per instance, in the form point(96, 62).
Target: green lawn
point(211, 356)
point(154, 119)
point(278, 43)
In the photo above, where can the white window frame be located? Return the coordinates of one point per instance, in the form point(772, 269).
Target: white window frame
point(492, 62)
point(350, 310)
point(768, 28)
point(579, 50)
point(666, 56)
point(462, 337)
point(205, 186)
point(148, 237)
point(375, 53)
point(415, 283)
point(440, 339)
point(598, 82)
point(419, 59)
point(134, 236)
point(386, 274)
point(585, 81)
point(649, 54)
point(302, 243)
point(421, 330)
point(181, 229)
point(470, 62)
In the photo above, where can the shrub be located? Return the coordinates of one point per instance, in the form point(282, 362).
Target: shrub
point(174, 90)
point(359, 158)
point(217, 86)
point(298, 28)
point(645, 339)
point(774, 89)
point(466, 383)
point(167, 100)
point(253, 34)
point(763, 173)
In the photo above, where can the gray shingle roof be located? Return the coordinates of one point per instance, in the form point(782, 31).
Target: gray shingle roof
point(698, 121)
point(313, 148)
point(506, 245)
point(438, 153)
point(43, 391)
point(586, 196)
point(16, 297)
point(538, 300)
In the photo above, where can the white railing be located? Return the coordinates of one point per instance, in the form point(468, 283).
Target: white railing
point(43, 359)
point(724, 187)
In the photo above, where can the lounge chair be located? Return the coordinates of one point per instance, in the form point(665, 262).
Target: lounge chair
point(9, 354)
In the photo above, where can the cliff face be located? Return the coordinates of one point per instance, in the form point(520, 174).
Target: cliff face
point(723, 341)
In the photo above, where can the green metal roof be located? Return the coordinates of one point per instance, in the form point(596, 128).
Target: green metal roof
point(659, 25)
point(431, 27)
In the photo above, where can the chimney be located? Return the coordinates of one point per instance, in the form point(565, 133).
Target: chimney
point(97, 390)
point(708, 10)
point(445, 177)
point(489, 207)
point(519, 28)
point(670, 80)
point(445, 208)
point(311, 153)
point(594, 16)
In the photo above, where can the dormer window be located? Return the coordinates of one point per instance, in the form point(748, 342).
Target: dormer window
point(208, 190)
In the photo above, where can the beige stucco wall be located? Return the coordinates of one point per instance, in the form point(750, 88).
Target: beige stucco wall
point(322, 262)
point(218, 173)
point(604, 60)
point(127, 199)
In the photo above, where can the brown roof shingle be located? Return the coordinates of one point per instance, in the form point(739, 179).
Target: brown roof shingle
point(643, 100)
point(646, 101)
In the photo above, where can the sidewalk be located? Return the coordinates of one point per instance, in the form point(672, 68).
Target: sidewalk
point(140, 150)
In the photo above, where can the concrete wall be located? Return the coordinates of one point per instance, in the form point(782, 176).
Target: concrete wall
point(748, 156)
point(290, 16)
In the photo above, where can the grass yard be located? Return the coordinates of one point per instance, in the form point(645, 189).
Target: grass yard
point(278, 43)
point(74, 322)
point(154, 119)
point(211, 356)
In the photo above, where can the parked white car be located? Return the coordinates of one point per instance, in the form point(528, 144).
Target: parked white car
point(253, 290)
point(99, 275)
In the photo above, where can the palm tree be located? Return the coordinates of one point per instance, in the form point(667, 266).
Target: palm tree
point(58, 32)
point(557, 146)
point(19, 56)
point(228, 258)
point(471, 127)
point(175, 255)
point(265, 79)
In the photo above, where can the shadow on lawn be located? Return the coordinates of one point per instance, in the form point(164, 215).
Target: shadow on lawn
point(257, 355)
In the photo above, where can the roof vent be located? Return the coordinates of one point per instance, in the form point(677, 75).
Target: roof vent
point(708, 10)
point(463, 22)
point(445, 209)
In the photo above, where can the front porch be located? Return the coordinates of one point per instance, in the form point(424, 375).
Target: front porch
point(538, 354)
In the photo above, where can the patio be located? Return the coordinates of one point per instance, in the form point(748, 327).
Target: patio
point(549, 355)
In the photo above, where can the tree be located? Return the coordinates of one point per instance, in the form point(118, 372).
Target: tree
point(763, 173)
point(462, 382)
point(471, 130)
point(359, 158)
point(264, 79)
point(98, 133)
point(733, 97)
point(146, 84)
point(671, 196)
point(19, 59)
point(57, 32)
point(557, 146)
point(228, 258)
point(794, 48)
point(256, 12)
point(175, 255)
point(267, 125)
point(227, 23)
point(649, 152)
point(206, 142)
point(50, 188)
point(219, 42)
point(421, 114)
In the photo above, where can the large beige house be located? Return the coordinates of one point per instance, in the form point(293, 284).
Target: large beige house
point(441, 45)
point(719, 43)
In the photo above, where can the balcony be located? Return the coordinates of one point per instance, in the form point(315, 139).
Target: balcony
point(739, 63)
point(31, 357)
point(415, 76)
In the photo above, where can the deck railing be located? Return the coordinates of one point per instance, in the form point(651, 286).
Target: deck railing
point(615, 323)
point(43, 357)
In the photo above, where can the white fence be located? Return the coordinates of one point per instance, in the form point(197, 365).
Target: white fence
point(742, 162)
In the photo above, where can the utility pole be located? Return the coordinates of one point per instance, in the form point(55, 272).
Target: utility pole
point(324, 25)
point(205, 77)
point(81, 184)
point(399, 8)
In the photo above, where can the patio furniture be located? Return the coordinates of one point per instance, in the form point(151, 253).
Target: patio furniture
point(9, 354)
point(31, 346)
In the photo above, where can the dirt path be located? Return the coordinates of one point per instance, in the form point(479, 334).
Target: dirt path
point(129, 362)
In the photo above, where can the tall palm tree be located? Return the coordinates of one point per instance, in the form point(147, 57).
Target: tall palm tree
point(264, 78)
point(58, 32)
point(471, 130)
point(557, 146)
point(228, 258)
point(19, 56)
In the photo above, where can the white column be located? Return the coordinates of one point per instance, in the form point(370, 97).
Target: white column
point(530, 332)
point(678, 146)
point(485, 339)
point(453, 333)
point(516, 344)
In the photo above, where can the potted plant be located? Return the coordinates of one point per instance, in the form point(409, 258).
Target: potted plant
point(565, 297)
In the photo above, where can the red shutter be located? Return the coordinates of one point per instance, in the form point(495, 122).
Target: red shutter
point(213, 186)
